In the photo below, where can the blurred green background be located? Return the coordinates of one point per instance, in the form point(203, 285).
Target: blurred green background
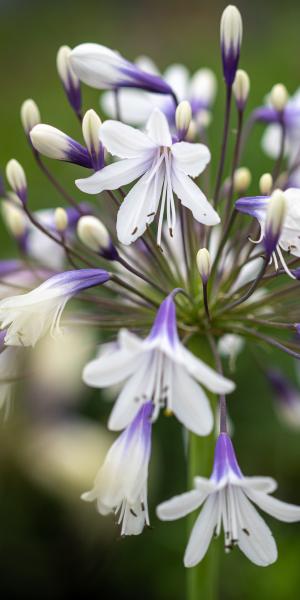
point(51, 544)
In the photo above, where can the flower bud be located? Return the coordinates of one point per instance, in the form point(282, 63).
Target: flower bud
point(241, 180)
point(279, 97)
point(203, 264)
point(183, 118)
point(60, 219)
point(68, 78)
point(53, 143)
point(30, 115)
point(17, 179)
point(276, 213)
point(13, 216)
point(241, 88)
point(191, 132)
point(91, 124)
point(266, 184)
point(93, 234)
point(231, 31)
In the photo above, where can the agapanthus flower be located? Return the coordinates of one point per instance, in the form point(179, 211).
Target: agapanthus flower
point(162, 169)
point(227, 498)
point(28, 317)
point(289, 239)
point(136, 106)
point(160, 368)
point(121, 483)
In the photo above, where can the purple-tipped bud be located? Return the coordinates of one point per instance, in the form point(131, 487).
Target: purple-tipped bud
point(30, 115)
point(203, 264)
point(93, 234)
point(68, 78)
point(231, 31)
point(241, 88)
point(91, 124)
point(183, 118)
point(276, 213)
point(52, 142)
point(17, 179)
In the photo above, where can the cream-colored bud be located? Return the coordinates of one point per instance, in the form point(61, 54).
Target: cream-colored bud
point(266, 184)
point(231, 29)
point(61, 219)
point(242, 180)
point(13, 216)
point(91, 124)
point(203, 264)
point(279, 97)
point(16, 176)
point(64, 68)
point(191, 132)
point(30, 115)
point(241, 87)
point(276, 212)
point(183, 116)
point(92, 233)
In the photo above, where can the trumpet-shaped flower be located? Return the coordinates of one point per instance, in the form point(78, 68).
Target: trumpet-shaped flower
point(28, 317)
point(227, 499)
point(121, 483)
point(160, 368)
point(162, 169)
point(289, 239)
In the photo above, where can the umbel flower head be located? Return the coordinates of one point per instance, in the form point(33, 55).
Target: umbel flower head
point(227, 499)
point(121, 484)
point(162, 167)
point(160, 368)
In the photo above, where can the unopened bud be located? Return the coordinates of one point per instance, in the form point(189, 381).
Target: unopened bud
point(53, 143)
point(91, 124)
point(203, 264)
point(242, 180)
point(30, 115)
point(231, 30)
point(276, 214)
point(61, 219)
point(279, 97)
point(266, 184)
point(241, 88)
point(93, 234)
point(68, 78)
point(183, 118)
point(17, 179)
point(13, 216)
point(191, 132)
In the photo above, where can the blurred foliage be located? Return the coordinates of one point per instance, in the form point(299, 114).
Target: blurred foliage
point(52, 546)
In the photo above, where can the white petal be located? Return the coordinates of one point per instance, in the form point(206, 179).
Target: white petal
point(259, 484)
point(177, 76)
point(271, 140)
point(202, 532)
point(158, 128)
point(257, 541)
point(113, 176)
point(212, 380)
point(191, 159)
point(135, 105)
point(180, 506)
point(97, 65)
point(124, 141)
point(192, 197)
point(190, 404)
point(203, 86)
point(139, 207)
point(283, 511)
point(110, 368)
point(127, 403)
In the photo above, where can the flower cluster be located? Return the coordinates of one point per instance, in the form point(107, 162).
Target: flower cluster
point(182, 277)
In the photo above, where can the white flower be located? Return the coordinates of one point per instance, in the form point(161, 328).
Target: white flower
point(162, 167)
point(159, 368)
point(10, 365)
point(121, 483)
point(28, 317)
point(227, 500)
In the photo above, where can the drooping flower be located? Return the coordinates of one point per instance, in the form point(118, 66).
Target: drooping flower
point(28, 317)
point(289, 241)
point(121, 483)
point(227, 499)
point(160, 368)
point(136, 106)
point(162, 169)
point(54, 143)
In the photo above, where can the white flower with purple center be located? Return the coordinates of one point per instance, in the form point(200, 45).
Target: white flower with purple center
point(136, 106)
point(121, 483)
point(159, 368)
point(28, 317)
point(162, 169)
point(289, 238)
point(227, 499)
